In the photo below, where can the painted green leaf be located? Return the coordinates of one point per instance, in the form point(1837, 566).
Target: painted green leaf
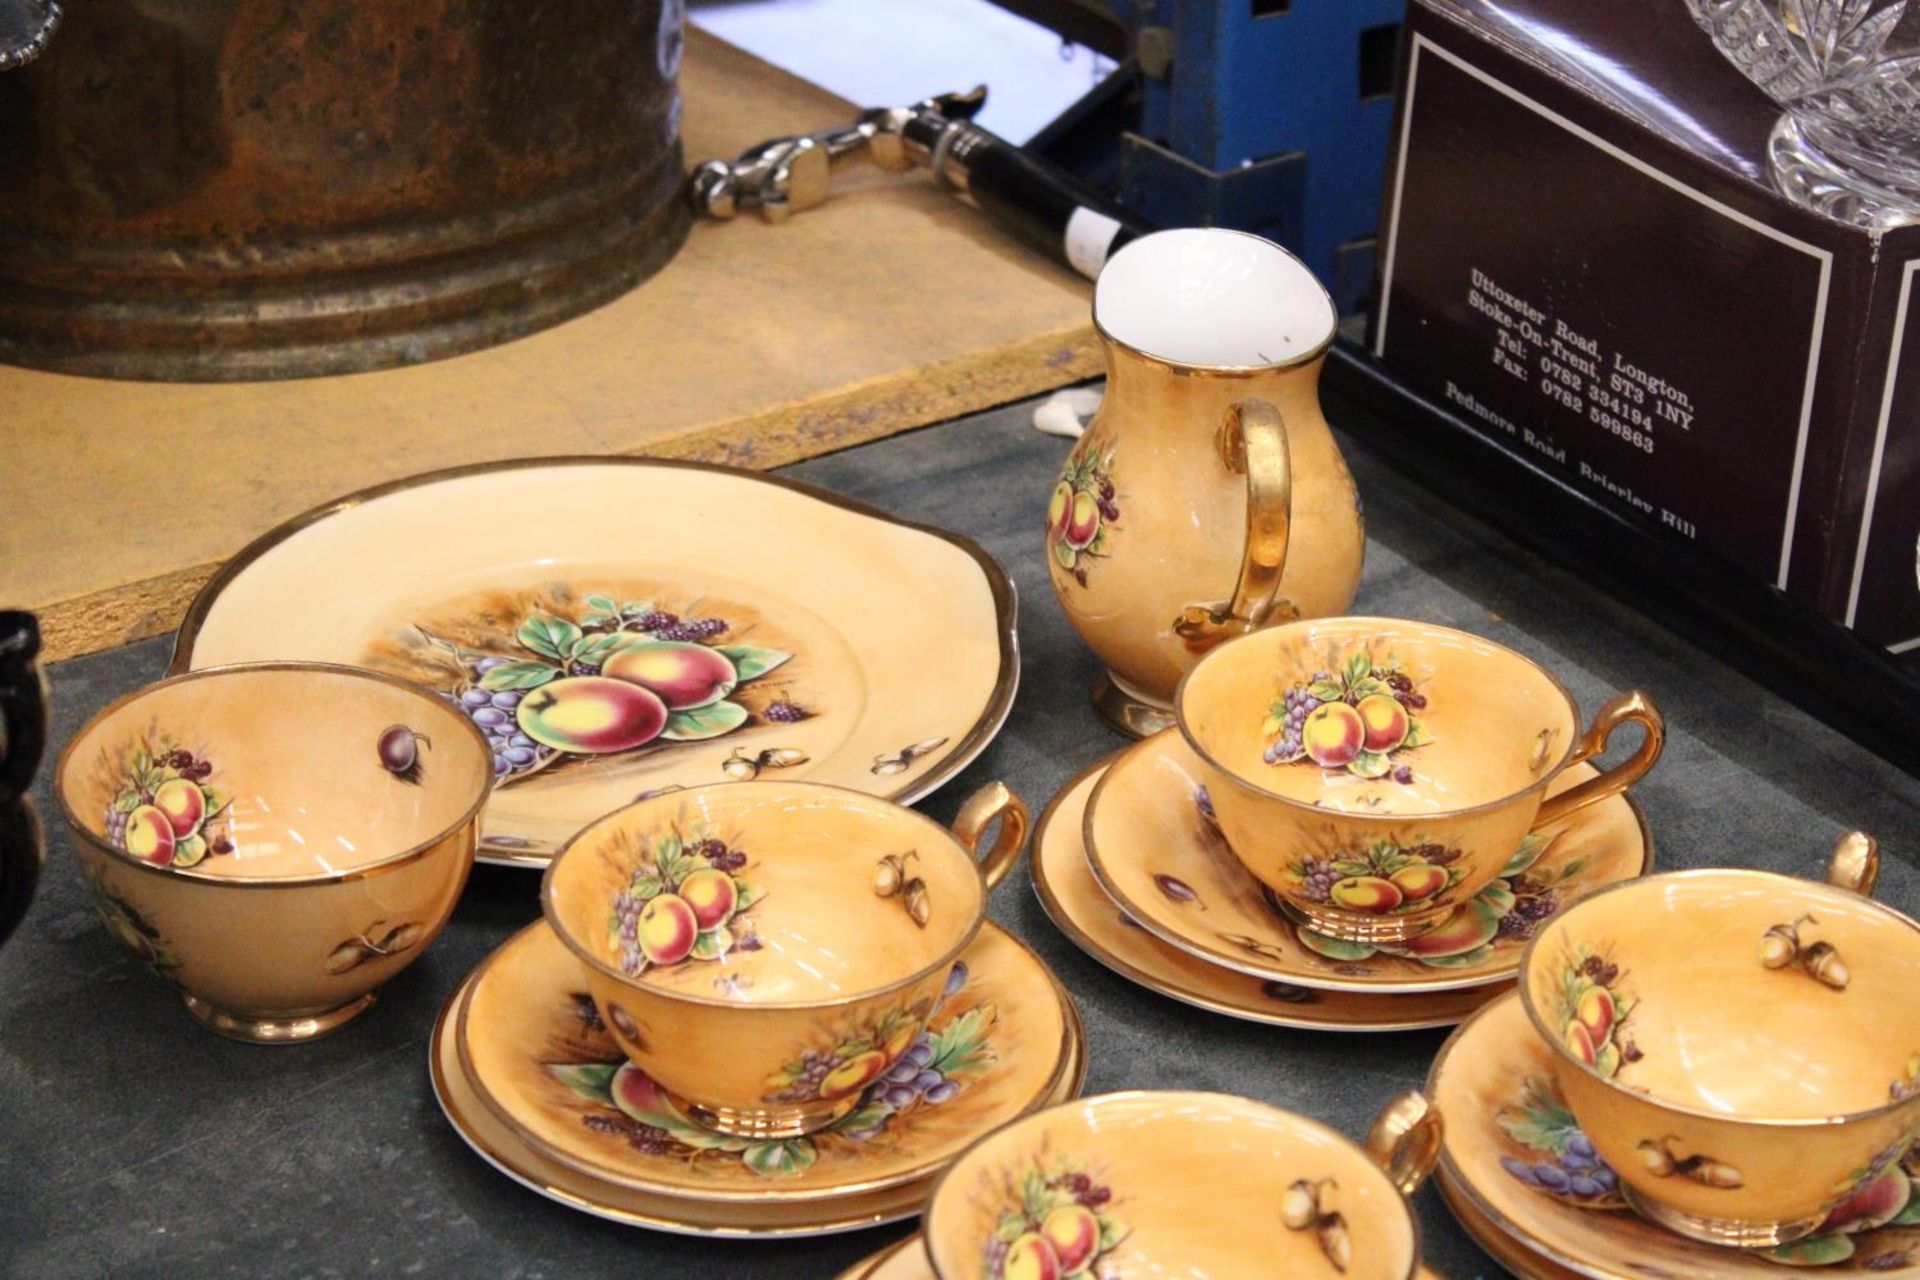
point(711, 944)
point(1909, 1216)
point(1541, 1122)
point(961, 1045)
point(1819, 1251)
point(667, 849)
point(548, 636)
point(126, 802)
point(1270, 726)
point(1370, 764)
point(1064, 554)
point(751, 661)
point(591, 1080)
point(647, 887)
point(1326, 690)
point(604, 604)
point(745, 894)
point(1531, 847)
point(1608, 1060)
point(597, 648)
point(1358, 667)
point(1465, 960)
point(1334, 948)
point(1098, 547)
point(1367, 687)
point(1498, 895)
point(1572, 869)
point(519, 675)
point(1417, 735)
point(866, 1118)
point(710, 721)
point(779, 1159)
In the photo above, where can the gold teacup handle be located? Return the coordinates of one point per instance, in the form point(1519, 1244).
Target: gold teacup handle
point(1632, 706)
point(1405, 1140)
point(1253, 441)
point(995, 800)
point(1855, 863)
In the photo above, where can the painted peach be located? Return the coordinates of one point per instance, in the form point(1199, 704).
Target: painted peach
point(1473, 925)
point(855, 1074)
point(592, 715)
point(1580, 1043)
point(1596, 1012)
point(635, 1093)
point(184, 804)
point(668, 929)
point(682, 675)
point(150, 835)
point(1030, 1257)
point(1366, 893)
point(1333, 735)
point(710, 892)
point(1057, 508)
point(1385, 721)
point(1074, 1233)
point(1420, 881)
point(1083, 520)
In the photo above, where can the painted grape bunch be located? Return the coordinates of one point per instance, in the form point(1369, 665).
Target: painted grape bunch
point(683, 901)
point(1084, 509)
point(1361, 718)
point(1062, 1224)
point(164, 812)
point(1563, 1162)
point(620, 678)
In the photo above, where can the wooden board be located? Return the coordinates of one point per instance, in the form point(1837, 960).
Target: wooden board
point(890, 306)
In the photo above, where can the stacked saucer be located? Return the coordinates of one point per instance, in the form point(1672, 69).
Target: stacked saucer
point(1405, 876)
point(756, 1010)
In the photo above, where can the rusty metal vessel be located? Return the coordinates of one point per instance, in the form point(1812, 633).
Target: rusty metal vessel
point(242, 189)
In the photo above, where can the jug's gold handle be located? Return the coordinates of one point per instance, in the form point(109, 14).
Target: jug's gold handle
point(1253, 441)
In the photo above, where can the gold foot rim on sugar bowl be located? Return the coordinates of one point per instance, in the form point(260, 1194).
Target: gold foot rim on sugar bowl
point(1152, 846)
point(709, 1192)
point(254, 1030)
point(1079, 908)
point(1492, 1081)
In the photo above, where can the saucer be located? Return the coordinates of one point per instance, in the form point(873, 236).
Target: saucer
point(907, 1260)
point(1154, 848)
point(532, 1046)
point(1066, 888)
point(621, 626)
point(1533, 1196)
point(903, 1260)
point(768, 1215)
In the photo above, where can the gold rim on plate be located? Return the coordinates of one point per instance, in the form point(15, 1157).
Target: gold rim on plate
point(930, 768)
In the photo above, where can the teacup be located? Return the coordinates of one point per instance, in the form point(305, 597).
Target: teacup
point(1188, 1184)
point(766, 951)
point(276, 839)
point(1376, 773)
point(1743, 1048)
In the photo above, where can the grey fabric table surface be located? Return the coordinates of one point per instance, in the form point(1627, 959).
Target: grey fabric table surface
point(134, 1143)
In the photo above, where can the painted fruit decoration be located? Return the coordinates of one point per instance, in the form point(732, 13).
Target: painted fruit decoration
point(853, 1058)
point(1592, 1011)
point(1876, 1229)
point(1385, 878)
point(1058, 1223)
point(1360, 717)
point(1084, 509)
point(128, 925)
point(552, 677)
point(935, 1067)
point(164, 811)
point(683, 901)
